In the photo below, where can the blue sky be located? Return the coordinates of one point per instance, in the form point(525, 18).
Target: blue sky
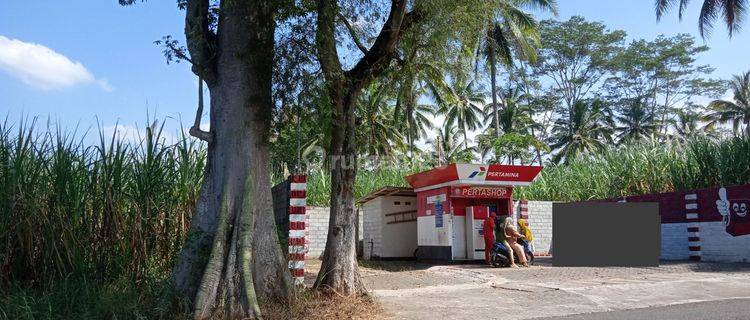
point(103, 63)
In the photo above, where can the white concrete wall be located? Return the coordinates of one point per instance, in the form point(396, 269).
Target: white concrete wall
point(540, 223)
point(317, 230)
point(371, 228)
point(718, 245)
point(674, 241)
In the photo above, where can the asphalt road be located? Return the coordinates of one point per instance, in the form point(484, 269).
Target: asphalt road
point(736, 309)
point(470, 292)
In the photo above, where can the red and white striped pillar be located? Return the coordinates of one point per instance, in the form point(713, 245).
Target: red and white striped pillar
point(297, 226)
point(523, 209)
point(692, 217)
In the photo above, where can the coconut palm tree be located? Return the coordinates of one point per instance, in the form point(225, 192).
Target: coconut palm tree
point(731, 11)
point(514, 113)
point(688, 125)
point(738, 111)
point(587, 128)
point(447, 147)
point(513, 28)
point(412, 117)
point(462, 108)
point(514, 118)
point(377, 133)
point(414, 82)
point(636, 122)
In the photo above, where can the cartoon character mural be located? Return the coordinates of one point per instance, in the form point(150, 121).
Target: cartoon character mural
point(734, 213)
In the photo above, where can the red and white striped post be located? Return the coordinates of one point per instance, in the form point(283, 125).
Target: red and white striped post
point(523, 210)
point(297, 226)
point(692, 218)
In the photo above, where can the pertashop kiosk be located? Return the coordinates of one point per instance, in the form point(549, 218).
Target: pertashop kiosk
point(454, 200)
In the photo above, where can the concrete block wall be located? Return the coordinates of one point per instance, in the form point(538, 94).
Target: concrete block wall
point(674, 238)
point(372, 227)
point(718, 245)
point(674, 241)
point(540, 223)
point(317, 230)
point(694, 227)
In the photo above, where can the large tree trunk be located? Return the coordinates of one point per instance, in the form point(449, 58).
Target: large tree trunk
point(340, 271)
point(232, 255)
point(270, 270)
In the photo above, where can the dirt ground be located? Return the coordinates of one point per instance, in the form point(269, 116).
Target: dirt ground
point(410, 290)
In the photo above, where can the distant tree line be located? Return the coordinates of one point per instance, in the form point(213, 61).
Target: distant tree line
point(561, 89)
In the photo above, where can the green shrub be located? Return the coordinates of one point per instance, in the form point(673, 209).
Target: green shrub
point(90, 232)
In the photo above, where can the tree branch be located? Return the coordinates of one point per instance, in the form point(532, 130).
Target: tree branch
point(325, 41)
point(352, 33)
point(385, 44)
point(411, 18)
point(201, 41)
point(195, 130)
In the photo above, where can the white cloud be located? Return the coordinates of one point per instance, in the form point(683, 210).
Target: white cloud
point(42, 67)
point(104, 84)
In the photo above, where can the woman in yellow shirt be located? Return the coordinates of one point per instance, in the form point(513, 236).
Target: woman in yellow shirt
point(523, 226)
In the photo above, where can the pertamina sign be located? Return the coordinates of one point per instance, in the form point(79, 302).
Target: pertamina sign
point(496, 172)
point(511, 173)
point(481, 192)
point(462, 174)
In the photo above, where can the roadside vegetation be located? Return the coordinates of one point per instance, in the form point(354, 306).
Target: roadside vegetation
point(92, 230)
point(96, 231)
